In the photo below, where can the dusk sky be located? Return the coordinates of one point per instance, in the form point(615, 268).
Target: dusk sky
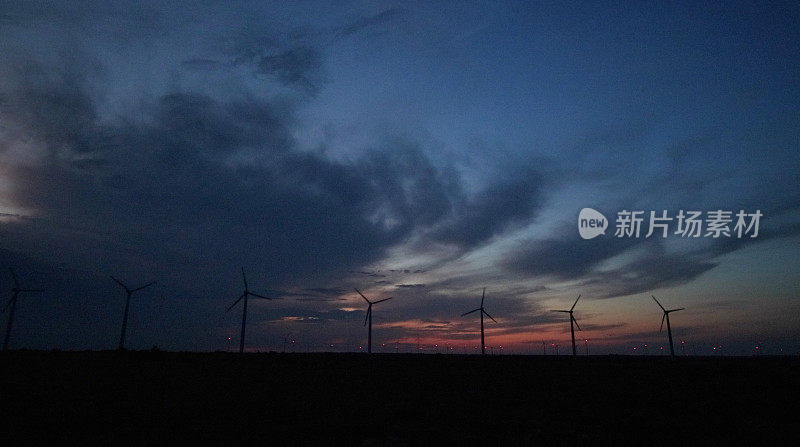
point(418, 150)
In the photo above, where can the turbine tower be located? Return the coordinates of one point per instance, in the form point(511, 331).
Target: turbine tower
point(368, 318)
point(669, 328)
point(16, 290)
point(483, 312)
point(244, 295)
point(128, 293)
point(572, 323)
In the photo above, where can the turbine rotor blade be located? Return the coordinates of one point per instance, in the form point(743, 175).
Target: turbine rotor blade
point(576, 302)
point(146, 285)
point(483, 295)
point(14, 277)
point(663, 317)
point(487, 314)
point(244, 278)
point(366, 317)
point(362, 295)
point(576, 323)
point(675, 310)
point(565, 311)
point(467, 313)
point(235, 303)
point(259, 296)
point(380, 301)
point(120, 283)
point(659, 304)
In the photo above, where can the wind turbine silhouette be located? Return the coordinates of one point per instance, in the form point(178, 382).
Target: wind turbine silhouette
point(572, 321)
point(483, 312)
point(16, 290)
point(244, 295)
point(368, 318)
point(669, 328)
point(128, 293)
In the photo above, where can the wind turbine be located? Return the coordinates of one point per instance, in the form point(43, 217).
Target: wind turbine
point(572, 323)
point(669, 328)
point(128, 293)
point(244, 295)
point(13, 303)
point(483, 312)
point(368, 318)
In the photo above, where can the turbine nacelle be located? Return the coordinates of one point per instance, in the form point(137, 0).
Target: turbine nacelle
point(481, 309)
point(246, 293)
point(570, 312)
point(128, 290)
point(369, 306)
point(666, 312)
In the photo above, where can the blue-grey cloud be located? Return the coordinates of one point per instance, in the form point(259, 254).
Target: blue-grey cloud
point(194, 181)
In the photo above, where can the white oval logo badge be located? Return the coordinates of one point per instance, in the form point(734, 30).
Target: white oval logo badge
point(591, 223)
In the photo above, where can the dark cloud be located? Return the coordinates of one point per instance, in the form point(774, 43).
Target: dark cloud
point(657, 268)
point(367, 22)
point(296, 66)
point(202, 64)
point(189, 182)
point(648, 274)
point(172, 189)
point(420, 195)
point(365, 273)
point(726, 245)
point(648, 264)
point(567, 256)
point(579, 259)
point(319, 294)
point(495, 209)
point(319, 299)
point(327, 291)
point(203, 179)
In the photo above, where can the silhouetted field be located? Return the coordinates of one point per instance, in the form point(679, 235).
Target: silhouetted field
point(353, 399)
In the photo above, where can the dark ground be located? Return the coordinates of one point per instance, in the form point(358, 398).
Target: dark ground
point(353, 399)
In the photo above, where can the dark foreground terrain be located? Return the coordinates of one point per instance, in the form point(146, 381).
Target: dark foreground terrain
point(342, 399)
